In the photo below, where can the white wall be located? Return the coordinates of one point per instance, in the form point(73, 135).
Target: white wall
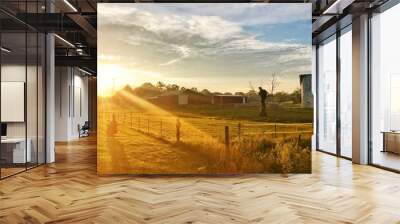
point(71, 102)
point(33, 127)
point(11, 73)
point(80, 112)
point(16, 73)
point(62, 82)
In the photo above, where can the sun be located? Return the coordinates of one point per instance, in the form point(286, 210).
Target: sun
point(113, 77)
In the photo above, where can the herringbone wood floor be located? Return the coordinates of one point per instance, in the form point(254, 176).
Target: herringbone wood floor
point(69, 191)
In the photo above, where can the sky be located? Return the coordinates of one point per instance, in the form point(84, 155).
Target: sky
point(222, 47)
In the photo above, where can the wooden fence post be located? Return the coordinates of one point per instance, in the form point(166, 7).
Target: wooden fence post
point(227, 136)
point(298, 140)
point(275, 129)
point(178, 130)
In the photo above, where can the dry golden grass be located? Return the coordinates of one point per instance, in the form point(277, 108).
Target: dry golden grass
point(144, 141)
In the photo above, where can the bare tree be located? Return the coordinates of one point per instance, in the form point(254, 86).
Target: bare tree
point(273, 84)
point(251, 86)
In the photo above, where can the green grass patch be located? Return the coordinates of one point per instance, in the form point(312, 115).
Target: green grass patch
point(276, 113)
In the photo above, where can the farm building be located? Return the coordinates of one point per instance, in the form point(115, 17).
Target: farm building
point(306, 91)
point(190, 97)
point(181, 98)
point(228, 99)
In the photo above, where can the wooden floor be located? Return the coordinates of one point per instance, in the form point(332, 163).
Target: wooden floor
point(387, 159)
point(69, 191)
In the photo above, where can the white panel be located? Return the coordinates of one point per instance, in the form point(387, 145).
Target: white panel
point(12, 101)
point(327, 96)
point(394, 102)
point(346, 94)
point(385, 82)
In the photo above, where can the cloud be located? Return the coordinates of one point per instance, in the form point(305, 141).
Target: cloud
point(248, 14)
point(188, 40)
point(182, 50)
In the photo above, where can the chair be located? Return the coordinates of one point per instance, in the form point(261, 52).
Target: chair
point(84, 130)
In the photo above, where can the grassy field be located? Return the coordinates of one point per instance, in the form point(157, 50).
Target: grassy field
point(212, 139)
point(275, 113)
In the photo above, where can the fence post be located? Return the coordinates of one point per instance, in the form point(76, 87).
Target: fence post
point(275, 129)
point(227, 136)
point(178, 130)
point(298, 140)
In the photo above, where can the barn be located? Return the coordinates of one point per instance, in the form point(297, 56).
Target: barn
point(180, 97)
point(190, 97)
point(228, 99)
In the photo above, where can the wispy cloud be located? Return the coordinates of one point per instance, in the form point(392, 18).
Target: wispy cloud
point(182, 50)
point(188, 40)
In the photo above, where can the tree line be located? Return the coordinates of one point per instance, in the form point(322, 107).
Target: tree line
point(149, 89)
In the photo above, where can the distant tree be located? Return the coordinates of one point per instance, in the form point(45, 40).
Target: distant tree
point(205, 92)
point(296, 95)
point(273, 84)
point(194, 89)
point(227, 93)
point(297, 91)
point(147, 90)
point(172, 87)
point(147, 85)
point(160, 85)
point(183, 88)
point(251, 93)
point(239, 93)
point(217, 93)
point(281, 97)
point(251, 87)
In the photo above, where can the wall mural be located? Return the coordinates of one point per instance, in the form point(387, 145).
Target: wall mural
point(204, 88)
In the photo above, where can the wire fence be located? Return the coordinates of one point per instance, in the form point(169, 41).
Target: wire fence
point(174, 129)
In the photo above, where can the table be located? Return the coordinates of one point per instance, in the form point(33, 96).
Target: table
point(13, 150)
